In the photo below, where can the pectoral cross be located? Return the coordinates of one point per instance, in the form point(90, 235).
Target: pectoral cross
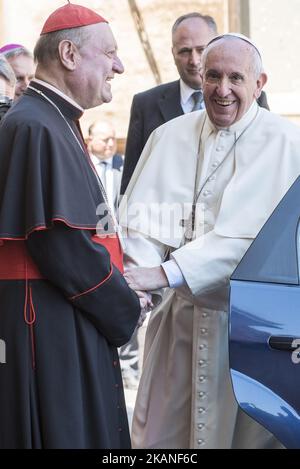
point(189, 225)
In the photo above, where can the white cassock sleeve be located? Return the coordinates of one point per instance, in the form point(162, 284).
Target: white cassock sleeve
point(208, 262)
point(142, 251)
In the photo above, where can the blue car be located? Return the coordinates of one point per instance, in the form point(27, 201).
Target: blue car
point(264, 331)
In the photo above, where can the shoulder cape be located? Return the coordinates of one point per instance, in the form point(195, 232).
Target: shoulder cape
point(267, 162)
point(44, 174)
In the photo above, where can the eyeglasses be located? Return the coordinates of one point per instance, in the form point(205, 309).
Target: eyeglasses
point(104, 140)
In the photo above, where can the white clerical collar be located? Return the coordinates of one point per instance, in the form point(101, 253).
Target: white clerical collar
point(209, 127)
point(57, 91)
point(185, 92)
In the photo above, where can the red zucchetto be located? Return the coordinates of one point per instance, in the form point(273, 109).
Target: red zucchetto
point(71, 16)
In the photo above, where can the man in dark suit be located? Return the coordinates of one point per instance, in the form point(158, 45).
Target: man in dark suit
point(154, 107)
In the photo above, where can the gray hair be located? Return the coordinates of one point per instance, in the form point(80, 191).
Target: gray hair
point(258, 68)
point(7, 72)
point(99, 123)
point(209, 20)
point(46, 48)
point(17, 52)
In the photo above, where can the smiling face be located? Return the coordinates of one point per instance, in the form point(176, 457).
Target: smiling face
point(97, 66)
point(230, 81)
point(189, 41)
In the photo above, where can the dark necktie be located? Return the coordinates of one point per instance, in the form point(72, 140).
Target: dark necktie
point(103, 166)
point(198, 101)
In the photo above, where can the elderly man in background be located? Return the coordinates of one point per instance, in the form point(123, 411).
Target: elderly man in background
point(205, 185)
point(7, 86)
point(22, 63)
point(65, 307)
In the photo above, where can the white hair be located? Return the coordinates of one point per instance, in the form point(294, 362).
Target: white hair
point(258, 68)
point(6, 72)
point(46, 48)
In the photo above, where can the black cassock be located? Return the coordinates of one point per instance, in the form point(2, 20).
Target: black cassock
point(60, 385)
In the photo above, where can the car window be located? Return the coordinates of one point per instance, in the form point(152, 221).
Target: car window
point(273, 256)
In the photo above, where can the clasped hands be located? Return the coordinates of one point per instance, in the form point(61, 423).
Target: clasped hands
point(145, 279)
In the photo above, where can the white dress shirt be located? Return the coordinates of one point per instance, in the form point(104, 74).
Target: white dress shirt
point(104, 169)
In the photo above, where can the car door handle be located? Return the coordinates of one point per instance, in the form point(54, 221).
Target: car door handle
point(285, 343)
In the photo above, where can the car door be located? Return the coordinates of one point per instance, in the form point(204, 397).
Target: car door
point(264, 326)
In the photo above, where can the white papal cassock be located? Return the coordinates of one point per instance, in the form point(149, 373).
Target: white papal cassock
point(185, 398)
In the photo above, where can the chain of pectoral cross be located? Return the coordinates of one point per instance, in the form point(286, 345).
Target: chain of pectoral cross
point(101, 187)
point(189, 224)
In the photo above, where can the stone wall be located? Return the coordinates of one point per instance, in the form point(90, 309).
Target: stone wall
point(274, 29)
point(24, 20)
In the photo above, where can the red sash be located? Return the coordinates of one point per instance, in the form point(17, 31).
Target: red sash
point(113, 246)
point(16, 263)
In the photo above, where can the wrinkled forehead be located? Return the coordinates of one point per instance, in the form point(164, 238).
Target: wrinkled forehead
point(22, 63)
point(101, 34)
point(103, 130)
point(107, 35)
point(233, 51)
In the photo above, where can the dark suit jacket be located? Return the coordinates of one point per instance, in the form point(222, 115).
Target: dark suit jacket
point(117, 166)
point(149, 110)
point(117, 162)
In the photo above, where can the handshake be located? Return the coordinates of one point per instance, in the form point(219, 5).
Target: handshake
point(143, 280)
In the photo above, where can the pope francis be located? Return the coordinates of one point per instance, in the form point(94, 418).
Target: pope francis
point(204, 186)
